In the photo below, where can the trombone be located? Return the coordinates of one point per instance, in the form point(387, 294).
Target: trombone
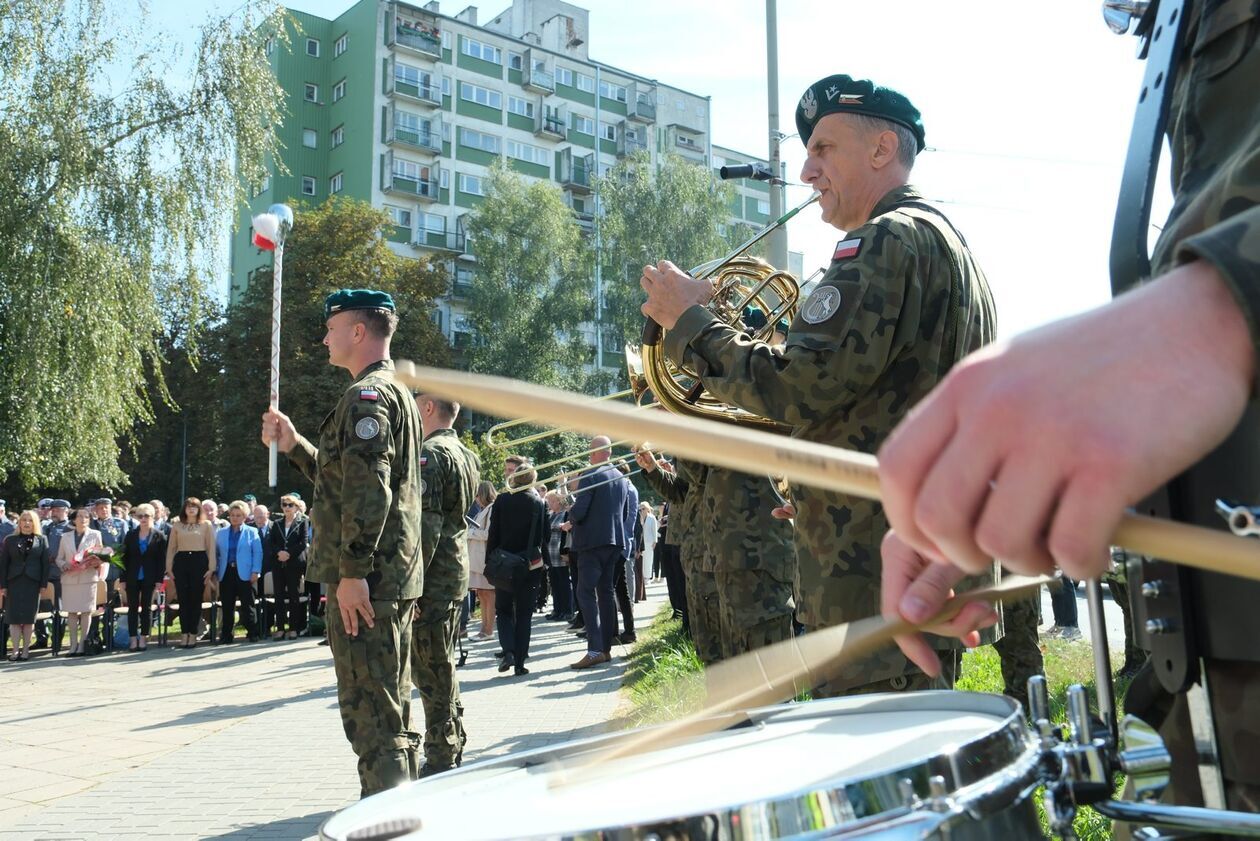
point(512, 443)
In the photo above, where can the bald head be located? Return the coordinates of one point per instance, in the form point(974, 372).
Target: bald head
point(601, 449)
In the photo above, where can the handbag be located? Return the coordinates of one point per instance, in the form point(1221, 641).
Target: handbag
point(505, 569)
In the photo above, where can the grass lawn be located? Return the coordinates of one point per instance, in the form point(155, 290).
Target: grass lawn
point(664, 681)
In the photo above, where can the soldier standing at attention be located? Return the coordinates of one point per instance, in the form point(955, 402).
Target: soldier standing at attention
point(366, 520)
point(684, 487)
point(450, 473)
point(902, 301)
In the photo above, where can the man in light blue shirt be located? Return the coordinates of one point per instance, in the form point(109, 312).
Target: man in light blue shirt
point(239, 553)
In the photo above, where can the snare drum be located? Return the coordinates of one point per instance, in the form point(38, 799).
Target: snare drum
point(921, 765)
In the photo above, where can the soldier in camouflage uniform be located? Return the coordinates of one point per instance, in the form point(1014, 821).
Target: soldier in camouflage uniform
point(1117, 578)
point(902, 301)
point(753, 559)
point(450, 473)
point(1019, 649)
point(684, 487)
point(366, 520)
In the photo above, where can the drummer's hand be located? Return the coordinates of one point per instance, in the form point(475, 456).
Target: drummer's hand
point(1032, 449)
point(914, 588)
point(645, 458)
point(786, 511)
point(671, 292)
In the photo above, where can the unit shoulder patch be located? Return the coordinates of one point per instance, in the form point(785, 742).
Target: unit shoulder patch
point(367, 428)
point(822, 304)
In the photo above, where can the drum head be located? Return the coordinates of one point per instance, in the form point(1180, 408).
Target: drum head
point(783, 771)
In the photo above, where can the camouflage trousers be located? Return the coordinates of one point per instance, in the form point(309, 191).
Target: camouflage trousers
point(1133, 654)
point(1019, 651)
point(912, 681)
point(433, 636)
point(374, 692)
point(704, 610)
point(755, 608)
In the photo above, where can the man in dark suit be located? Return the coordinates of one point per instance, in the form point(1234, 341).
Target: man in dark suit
point(597, 526)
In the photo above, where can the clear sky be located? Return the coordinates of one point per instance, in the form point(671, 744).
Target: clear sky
point(1027, 109)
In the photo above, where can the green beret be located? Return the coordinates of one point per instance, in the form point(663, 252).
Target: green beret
point(357, 299)
point(841, 94)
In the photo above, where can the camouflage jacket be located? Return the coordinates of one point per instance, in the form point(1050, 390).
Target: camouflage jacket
point(739, 531)
point(449, 474)
point(684, 490)
point(901, 303)
point(366, 510)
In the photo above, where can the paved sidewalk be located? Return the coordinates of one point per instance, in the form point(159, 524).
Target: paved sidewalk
point(244, 741)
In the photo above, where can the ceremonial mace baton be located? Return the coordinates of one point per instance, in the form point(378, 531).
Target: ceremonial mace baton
point(270, 230)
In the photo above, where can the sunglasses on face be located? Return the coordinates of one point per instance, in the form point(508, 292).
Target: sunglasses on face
point(288, 505)
point(144, 516)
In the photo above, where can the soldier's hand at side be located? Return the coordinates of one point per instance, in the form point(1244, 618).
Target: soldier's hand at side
point(914, 588)
point(355, 603)
point(1031, 450)
point(277, 427)
point(671, 291)
point(786, 511)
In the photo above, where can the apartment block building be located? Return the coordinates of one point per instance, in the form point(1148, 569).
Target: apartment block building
point(406, 108)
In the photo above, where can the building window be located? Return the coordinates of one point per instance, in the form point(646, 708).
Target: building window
point(444, 180)
point(524, 107)
point(763, 207)
point(585, 125)
point(608, 131)
point(485, 52)
point(338, 136)
point(309, 138)
point(308, 185)
point(526, 152)
point(471, 184)
point(312, 47)
point(564, 76)
point(585, 83)
point(446, 39)
point(480, 95)
point(699, 110)
point(478, 140)
point(339, 90)
point(432, 223)
point(608, 91)
point(269, 46)
point(310, 92)
point(334, 184)
point(446, 86)
point(339, 46)
point(400, 216)
point(516, 61)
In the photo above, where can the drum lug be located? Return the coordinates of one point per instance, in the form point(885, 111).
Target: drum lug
point(1144, 759)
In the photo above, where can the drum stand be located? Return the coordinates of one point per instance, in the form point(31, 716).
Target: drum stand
point(1080, 769)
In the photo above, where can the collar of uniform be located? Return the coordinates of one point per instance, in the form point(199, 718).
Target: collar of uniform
point(894, 197)
point(379, 365)
point(444, 431)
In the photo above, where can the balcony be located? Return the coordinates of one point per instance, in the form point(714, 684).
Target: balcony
point(641, 104)
point(550, 125)
point(575, 173)
point(421, 135)
point(631, 139)
point(686, 142)
point(427, 91)
point(414, 187)
point(451, 241)
point(534, 74)
point(421, 38)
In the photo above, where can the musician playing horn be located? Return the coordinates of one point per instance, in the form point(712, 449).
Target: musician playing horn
point(901, 303)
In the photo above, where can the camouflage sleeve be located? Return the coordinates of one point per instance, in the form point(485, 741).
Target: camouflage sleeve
point(843, 338)
point(433, 473)
point(304, 456)
point(669, 486)
point(366, 496)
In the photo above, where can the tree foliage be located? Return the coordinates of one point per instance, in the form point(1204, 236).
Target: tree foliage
point(533, 283)
point(113, 208)
point(673, 211)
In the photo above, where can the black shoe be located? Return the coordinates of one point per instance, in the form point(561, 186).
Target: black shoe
point(505, 664)
point(551, 617)
point(581, 634)
point(39, 643)
point(521, 670)
point(625, 639)
point(428, 770)
point(574, 626)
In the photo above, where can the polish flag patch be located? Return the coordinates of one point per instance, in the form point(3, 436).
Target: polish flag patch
point(847, 248)
point(369, 394)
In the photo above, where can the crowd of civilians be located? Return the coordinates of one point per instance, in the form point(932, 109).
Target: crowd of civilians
point(592, 547)
point(112, 556)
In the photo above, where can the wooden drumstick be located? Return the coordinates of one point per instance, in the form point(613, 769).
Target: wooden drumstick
point(817, 465)
point(777, 673)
